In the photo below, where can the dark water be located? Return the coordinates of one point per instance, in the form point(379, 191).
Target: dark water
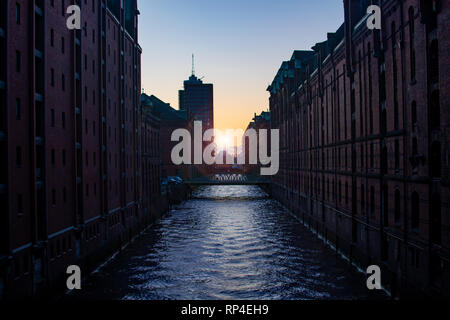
point(228, 242)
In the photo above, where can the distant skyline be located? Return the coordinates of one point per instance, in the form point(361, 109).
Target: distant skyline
point(238, 46)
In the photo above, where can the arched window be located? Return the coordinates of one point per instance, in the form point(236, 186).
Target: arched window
point(415, 211)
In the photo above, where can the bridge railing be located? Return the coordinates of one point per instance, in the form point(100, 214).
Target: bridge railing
point(231, 178)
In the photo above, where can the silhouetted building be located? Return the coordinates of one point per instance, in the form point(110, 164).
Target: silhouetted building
point(197, 99)
point(152, 202)
point(364, 150)
point(170, 120)
point(70, 190)
point(260, 122)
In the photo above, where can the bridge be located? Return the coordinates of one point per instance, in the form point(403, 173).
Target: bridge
point(229, 179)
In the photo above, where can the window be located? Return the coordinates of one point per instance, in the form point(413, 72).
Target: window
point(20, 204)
point(63, 120)
point(52, 37)
point(52, 77)
point(434, 62)
point(52, 117)
point(397, 213)
point(412, 51)
point(18, 111)
point(414, 115)
point(385, 206)
point(346, 193)
point(17, 13)
point(397, 155)
point(53, 157)
point(384, 160)
point(363, 200)
point(435, 161)
point(19, 156)
point(372, 201)
point(415, 212)
point(436, 220)
point(53, 197)
point(64, 157)
point(18, 61)
point(415, 147)
point(435, 112)
point(63, 45)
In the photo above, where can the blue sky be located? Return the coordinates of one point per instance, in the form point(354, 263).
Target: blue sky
point(238, 46)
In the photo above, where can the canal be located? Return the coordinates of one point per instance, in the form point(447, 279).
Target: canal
point(227, 242)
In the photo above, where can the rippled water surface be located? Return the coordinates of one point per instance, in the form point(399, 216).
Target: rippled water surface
point(228, 242)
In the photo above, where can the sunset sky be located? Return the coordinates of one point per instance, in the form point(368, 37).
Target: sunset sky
point(238, 45)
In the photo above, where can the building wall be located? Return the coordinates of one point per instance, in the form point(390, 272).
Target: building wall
point(198, 99)
point(153, 203)
point(360, 156)
point(70, 141)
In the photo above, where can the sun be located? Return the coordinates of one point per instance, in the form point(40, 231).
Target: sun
point(223, 141)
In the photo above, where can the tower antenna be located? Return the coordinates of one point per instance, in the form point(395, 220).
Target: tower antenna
point(193, 65)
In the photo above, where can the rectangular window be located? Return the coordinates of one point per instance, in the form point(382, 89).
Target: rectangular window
point(20, 204)
point(18, 61)
point(64, 158)
point(19, 156)
point(53, 157)
point(18, 111)
point(17, 13)
point(63, 120)
point(52, 117)
point(53, 197)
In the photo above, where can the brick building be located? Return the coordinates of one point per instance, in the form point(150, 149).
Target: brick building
point(170, 120)
point(70, 183)
point(260, 122)
point(153, 203)
point(364, 150)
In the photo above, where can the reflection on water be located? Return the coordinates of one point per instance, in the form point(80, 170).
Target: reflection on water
point(228, 242)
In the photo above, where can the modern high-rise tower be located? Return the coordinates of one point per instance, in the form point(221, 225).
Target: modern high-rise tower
point(197, 99)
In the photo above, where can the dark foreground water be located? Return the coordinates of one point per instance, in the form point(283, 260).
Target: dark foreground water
point(228, 242)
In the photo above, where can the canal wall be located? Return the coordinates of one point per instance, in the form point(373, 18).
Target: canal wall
point(336, 229)
point(113, 236)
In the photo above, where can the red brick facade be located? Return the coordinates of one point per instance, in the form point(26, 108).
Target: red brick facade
point(70, 139)
point(364, 127)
